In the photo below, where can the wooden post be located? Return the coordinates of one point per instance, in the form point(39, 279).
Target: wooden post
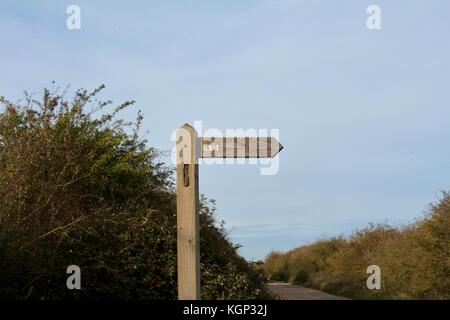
point(189, 149)
point(188, 237)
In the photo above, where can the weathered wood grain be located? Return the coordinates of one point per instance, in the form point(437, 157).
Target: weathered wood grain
point(188, 238)
point(239, 147)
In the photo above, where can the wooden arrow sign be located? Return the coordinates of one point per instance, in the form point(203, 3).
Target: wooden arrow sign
point(239, 147)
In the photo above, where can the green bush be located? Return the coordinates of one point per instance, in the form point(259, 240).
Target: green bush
point(80, 187)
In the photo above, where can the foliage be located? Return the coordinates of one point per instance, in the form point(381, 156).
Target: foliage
point(414, 260)
point(80, 187)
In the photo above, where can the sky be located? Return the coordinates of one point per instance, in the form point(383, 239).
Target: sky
point(363, 115)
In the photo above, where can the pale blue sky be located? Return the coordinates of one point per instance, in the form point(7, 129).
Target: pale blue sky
point(364, 115)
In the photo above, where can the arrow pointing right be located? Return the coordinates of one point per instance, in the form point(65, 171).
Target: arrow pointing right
point(239, 147)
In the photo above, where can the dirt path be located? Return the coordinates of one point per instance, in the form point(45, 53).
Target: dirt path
point(293, 292)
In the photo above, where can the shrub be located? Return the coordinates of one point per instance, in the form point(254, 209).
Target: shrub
point(414, 260)
point(80, 187)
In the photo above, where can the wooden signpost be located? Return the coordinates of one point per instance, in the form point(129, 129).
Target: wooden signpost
point(189, 149)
